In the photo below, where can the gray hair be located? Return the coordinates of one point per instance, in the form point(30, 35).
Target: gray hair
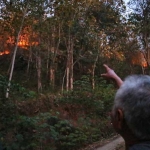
point(133, 98)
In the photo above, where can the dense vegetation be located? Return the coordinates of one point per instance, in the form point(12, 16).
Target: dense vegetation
point(51, 56)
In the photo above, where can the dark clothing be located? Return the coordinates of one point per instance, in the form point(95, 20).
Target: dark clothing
point(1, 147)
point(141, 146)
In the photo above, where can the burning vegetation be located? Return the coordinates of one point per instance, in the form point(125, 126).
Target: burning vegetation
point(6, 52)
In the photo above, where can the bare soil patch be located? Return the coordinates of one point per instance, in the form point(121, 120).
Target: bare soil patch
point(105, 142)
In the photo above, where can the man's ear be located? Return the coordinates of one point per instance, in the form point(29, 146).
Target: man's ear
point(119, 118)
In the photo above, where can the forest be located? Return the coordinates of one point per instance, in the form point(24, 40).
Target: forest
point(52, 95)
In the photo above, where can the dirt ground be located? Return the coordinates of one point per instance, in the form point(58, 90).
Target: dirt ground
point(120, 147)
point(113, 143)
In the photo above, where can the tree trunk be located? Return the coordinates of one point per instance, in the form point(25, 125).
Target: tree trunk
point(94, 65)
point(48, 58)
point(67, 77)
point(69, 67)
point(29, 60)
point(93, 72)
point(147, 49)
point(71, 64)
point(54, 51)
point(14, 55)
point(39, 73)
point(52, 76)
point(63, 81)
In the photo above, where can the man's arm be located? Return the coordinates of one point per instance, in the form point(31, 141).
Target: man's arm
point(112, 75)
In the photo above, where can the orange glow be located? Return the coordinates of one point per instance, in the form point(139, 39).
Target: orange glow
point(34, 43)
point(6, 52)
point(139, 59)
point(24, 43)
point(144, 64)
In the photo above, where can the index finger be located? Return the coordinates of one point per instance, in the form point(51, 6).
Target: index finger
point(107, 68)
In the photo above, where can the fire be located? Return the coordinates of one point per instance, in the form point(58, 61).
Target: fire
point(6, 52)
point(22, 44)
point(144, 64)
point(139, 59)
point(25, 43)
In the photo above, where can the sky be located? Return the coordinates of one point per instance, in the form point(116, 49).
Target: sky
point(126, 1)
point(128, 9)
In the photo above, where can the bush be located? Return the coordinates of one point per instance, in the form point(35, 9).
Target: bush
point(16, 90)
point(23, 133)
point(96, 102)
point(93, 107)
point(48, 132)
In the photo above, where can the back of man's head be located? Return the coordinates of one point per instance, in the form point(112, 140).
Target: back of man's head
point(133, 98)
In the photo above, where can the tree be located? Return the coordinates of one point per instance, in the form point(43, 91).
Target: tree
point(68, 39)
point(23, 11)
point(140, 17)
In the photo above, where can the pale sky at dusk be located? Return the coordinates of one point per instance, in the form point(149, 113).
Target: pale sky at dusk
point(128, 10)
point(126, 1)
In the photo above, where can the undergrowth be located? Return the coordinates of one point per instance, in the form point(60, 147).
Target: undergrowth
point(87, 111)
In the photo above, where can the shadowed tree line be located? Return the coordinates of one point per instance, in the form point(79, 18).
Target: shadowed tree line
point(51, 57)
point(60, 41)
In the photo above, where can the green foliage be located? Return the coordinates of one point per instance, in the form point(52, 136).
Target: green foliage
point(65, 135)
point(19, 132)
point(90, 28)
point(16, 90)
point(93, 107)
point(94, 102)
point(3, 85)
point(83, 84)
point(106, 92)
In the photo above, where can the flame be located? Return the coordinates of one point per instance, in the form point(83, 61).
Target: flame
point(144, 64)
point(24, 43)
point(34, 43)
point(6, 52)
point(139, 59)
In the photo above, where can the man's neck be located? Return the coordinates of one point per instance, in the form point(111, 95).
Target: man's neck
point(130, 141)
point(128, 137)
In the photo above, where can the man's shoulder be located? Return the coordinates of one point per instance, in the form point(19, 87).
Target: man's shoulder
point(141, 146)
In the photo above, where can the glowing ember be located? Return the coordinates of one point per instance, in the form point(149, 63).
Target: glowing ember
point(139, 59)
point(25, 44)
point(5, 52)
point(144, 64)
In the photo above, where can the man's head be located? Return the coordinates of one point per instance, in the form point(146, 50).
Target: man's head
point(132, 106)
